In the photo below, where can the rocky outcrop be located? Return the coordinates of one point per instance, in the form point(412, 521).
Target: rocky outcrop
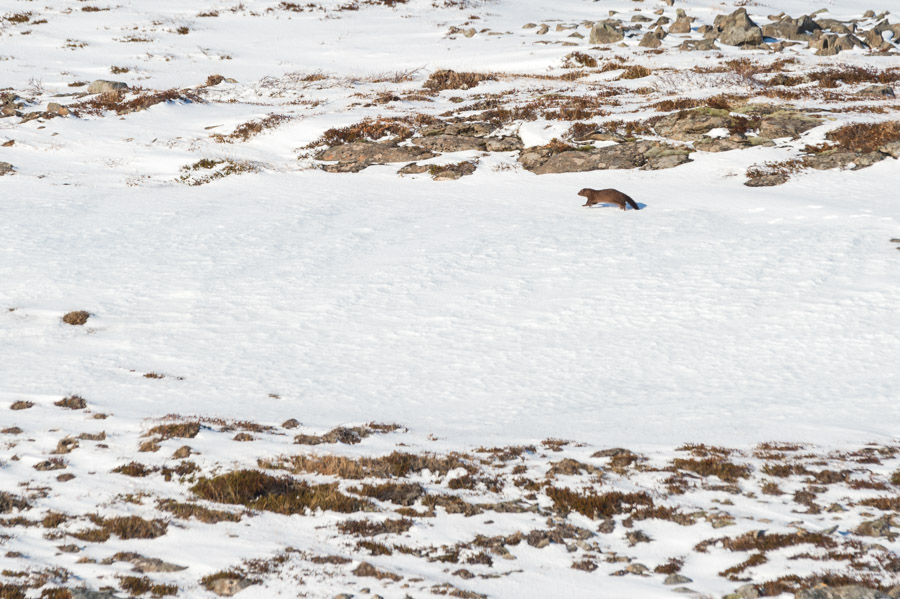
point(692, 125)
point(636, 154)
point(737, 29)
point(355, 156)
point(800, 29)
point(830, 44)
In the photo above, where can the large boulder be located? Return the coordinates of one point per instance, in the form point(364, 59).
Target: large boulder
point(698, 45)
point(738, 29)
point(836, 26)
point(830, 44)
point(681, 25)
point(607, 32)
point(102, 85)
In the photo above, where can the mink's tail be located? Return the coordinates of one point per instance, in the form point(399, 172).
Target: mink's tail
point(631, 203)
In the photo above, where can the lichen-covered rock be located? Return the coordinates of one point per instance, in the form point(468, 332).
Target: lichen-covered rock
point(629, 155)
point(692, 125)
point(356, 156)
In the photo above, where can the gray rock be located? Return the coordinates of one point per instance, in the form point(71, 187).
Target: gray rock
point(746, 591)
point(877, 90)
point(226, 587)
point(6, 168)
point(102, 85)
point(449, 143)
point(778, 122)
point(882, 526)
point(503, 144)
point(738, 29)
point(891, 149)
point(874, 40)
point(91, 594)
point(650, 40)
point(698, 45)
point(151, 564)
point(800, 29)
point(722, 144)
point(638, 154)
point(831, 44)
point(844, 592)
point(606, 32)
point(692, 125)
point(676, 579)
point(836, 26)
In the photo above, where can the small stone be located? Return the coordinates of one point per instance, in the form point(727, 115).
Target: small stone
point(639, 569)
point(290, 423)
point(102, 85)
point(226, 587)
point(676, 579)
point(182, 452)
point(543, 29)
point(5, 168)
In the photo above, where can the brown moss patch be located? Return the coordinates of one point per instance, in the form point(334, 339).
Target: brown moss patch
point(865, 137)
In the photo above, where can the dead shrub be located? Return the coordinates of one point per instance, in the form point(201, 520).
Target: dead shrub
point(760, 542)
point(76, 318)
point(21, 405)
point(713, 466)
point(635, 72)
point(396, 493)
point(115, 101)
point(367, 528)
point(251, 129)
point(134, 527)
point(282, 495)
point(135, 586)
point(373, 130)
point(346, 435)
point(179, 430)
point(394, 465)
point(72, 402)
point(446, 79)
point(865, 137)
point(135, 469)
point(733, 573)
point(10, 502)
point(673, 566)
point(579, 59)
point(595, 506)
point(186, 511)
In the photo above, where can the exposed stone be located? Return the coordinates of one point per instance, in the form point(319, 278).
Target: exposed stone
point(673, 579)
point(873, 39)
point(503, 144)
point(606, 32)
point(836, 26)
point(102, 85)
point(692, 125)
point(877, 90)
point(876, 528)
point(831, 44)
point(800, 29)
point(356, 156)
point(637, 154)
point(652, 39)
point(843, 592)
point(698, 45)
point(228, 586)
point(57, 109)
point(543, 29)
point(777, 122)
point(738, 29)
point(721, 144)
point(681, 25)
point(449, 143)
point(891, 149)
point(746, 591)
point(5, 168)
point(91, 594)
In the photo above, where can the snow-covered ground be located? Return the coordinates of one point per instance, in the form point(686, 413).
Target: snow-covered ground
point(489, 311)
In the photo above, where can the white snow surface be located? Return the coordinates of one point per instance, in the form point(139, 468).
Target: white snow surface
point(492, 310)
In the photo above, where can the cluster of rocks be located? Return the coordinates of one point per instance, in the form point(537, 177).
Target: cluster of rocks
point(826, 36)
point(648, 155)
point(434, 140)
